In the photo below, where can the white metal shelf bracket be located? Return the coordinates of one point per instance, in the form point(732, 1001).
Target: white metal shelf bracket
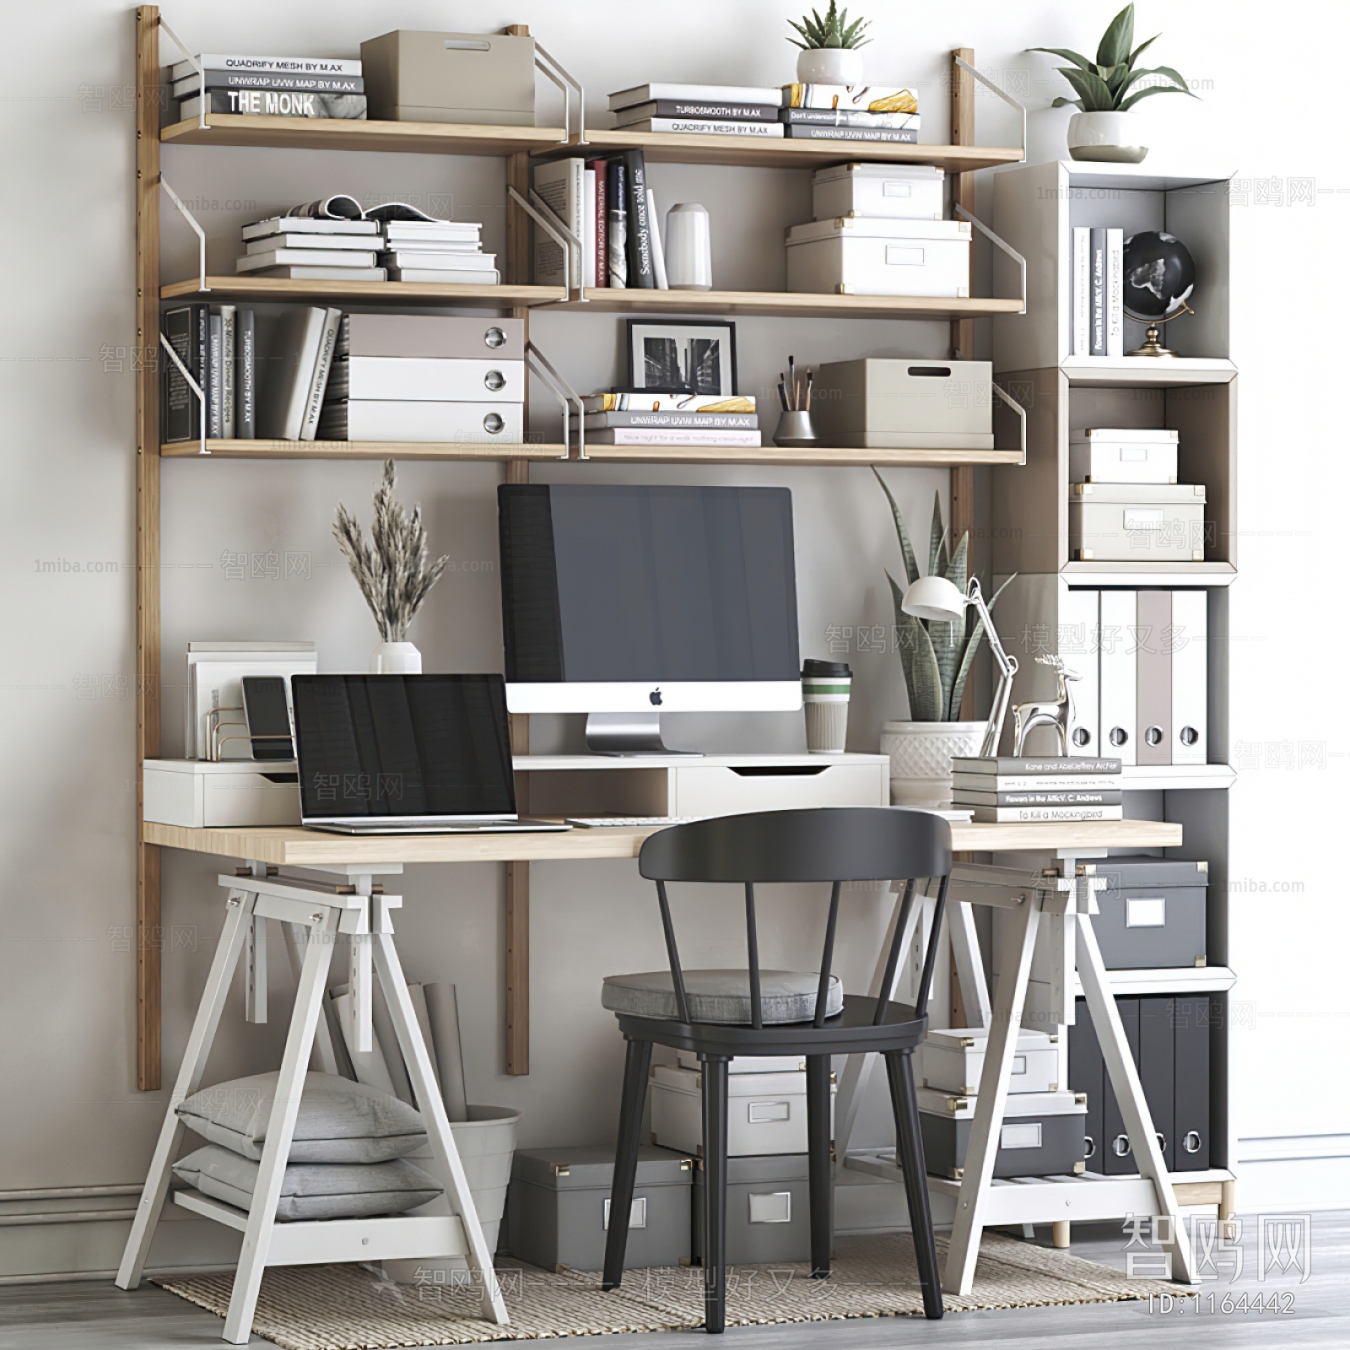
point(554, 70)
point(197, 66)
point(1003, 94)
point(564, 393)
point(1001, 244)
point(193, 386)
point(539, 211)
point(197, 230)
point(1021, 415)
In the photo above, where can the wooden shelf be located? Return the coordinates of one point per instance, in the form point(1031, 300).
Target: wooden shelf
point(793, 304)
point(1164, 575)
point(1109, 370)
point(773, 454)
point(439, 293)
point(752, 152)
point(265, 449)
point(324, 133)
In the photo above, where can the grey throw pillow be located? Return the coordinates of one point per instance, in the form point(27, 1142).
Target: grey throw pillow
point(339, 1121)
point(312, 1190)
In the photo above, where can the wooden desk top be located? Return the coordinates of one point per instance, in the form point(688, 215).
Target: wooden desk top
point(295, 847)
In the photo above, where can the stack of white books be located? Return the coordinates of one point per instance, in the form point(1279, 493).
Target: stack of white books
point(1004, 789)
point(437, 251)
point(308, 248)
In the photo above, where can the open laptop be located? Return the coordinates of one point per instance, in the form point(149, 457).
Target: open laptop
point(405, 754)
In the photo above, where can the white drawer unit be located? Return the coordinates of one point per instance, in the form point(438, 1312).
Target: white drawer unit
point(894, 191)
point(723, 790)
point(862, 255)
point(434, 379)
point(423, 420)
point(766, 1111)
point(230, 794)
point(954, 1059)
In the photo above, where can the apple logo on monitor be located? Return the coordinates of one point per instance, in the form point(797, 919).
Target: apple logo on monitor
point(655, 697)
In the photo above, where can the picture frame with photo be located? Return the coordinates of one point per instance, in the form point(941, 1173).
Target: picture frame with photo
point(693, 355)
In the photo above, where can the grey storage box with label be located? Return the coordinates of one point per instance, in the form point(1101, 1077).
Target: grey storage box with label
point(1137, 522)
point(1152, 912)
point(768, 1210)
point(484, 79)
point(887, 403)
point(558, 1207)
point(1042, 1134)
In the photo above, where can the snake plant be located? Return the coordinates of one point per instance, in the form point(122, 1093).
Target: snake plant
point(935, 657)
point(1104, 85)
point(834, 30)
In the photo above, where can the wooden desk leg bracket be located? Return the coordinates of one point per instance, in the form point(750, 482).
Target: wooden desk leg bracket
point(316, 912)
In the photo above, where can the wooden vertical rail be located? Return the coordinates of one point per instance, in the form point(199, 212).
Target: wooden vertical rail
point(148, 928)
point(962, 513)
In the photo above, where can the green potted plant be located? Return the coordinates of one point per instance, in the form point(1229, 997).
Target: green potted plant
point(393, 572)
point(829, 47)
point(1106, 91)
point(936, 660)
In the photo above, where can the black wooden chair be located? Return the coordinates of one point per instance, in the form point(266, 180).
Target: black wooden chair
point(722, 1014)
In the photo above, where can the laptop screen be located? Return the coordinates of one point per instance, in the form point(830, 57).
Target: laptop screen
point(402, 745)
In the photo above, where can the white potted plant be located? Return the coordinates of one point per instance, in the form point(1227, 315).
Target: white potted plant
point(829, 47)
point(392, 572)
point(1103, 128)
point(936, 659)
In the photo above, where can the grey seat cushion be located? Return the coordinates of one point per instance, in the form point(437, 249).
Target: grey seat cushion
point(722, 995)
point(312, 1190)
point(339, 1121)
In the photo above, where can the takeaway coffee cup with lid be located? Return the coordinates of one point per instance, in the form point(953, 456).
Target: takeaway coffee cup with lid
point(825, 691)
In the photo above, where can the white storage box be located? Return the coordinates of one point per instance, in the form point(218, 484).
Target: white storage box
point(1062, 1102)
point(747, 1064)
point(1136, 522)
point(895, 404)
point(230, 794)
point(701, 789)
point(435, 378)
point(767, 1111)
point(861, 255)
point(422, 420)
point(1101, 455)
point(895, 191)
point(954, 1059)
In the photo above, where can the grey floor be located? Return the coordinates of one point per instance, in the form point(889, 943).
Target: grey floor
point(98, 1316)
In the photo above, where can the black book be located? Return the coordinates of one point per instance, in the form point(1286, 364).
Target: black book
point(909, 136)
point(180, 409)
point(269, 79)
point(275, 103)
point(245, 389)
point(616, 195)
point(215, 377)
point(641, 271)
point(679, 107)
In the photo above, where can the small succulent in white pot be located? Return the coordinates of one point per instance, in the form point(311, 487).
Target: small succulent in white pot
point(393, 572)
point(829, 46)
point(1107, 89)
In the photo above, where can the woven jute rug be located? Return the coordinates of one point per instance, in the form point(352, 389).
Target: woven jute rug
point(349, 1308)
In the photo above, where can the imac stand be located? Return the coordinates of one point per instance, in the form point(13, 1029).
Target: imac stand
point(627, 734)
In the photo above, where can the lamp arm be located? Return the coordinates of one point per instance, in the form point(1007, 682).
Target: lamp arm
point(1007, 665)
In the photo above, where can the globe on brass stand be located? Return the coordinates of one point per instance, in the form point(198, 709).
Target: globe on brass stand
point(1159, 276)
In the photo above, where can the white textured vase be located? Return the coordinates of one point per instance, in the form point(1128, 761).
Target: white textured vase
point(396, 658)
point(688, 247)
point(830, 65)
point(921, 758)
point(1105, 137)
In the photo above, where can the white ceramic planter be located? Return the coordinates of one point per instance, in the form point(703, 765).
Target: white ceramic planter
point(830, 65)
point(486, 1144)
point(921, 758)
point(1106, 137)
point(688, 247)
point(396, 658)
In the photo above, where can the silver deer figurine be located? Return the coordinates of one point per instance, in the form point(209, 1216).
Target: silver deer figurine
point(1059, 714)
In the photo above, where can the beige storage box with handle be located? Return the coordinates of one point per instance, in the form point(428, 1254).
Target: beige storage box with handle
point(900, 404)
point(484, 79)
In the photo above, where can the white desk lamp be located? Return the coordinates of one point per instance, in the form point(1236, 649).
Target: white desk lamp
point(938, 599)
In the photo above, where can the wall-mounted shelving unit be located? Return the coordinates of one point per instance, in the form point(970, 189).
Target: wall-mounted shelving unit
point(519, 147)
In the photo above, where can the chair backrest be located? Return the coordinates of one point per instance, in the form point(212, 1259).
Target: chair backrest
point(834, 844)
point(831, 843)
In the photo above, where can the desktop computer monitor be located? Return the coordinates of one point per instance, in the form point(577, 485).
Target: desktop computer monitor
point(621, 602)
